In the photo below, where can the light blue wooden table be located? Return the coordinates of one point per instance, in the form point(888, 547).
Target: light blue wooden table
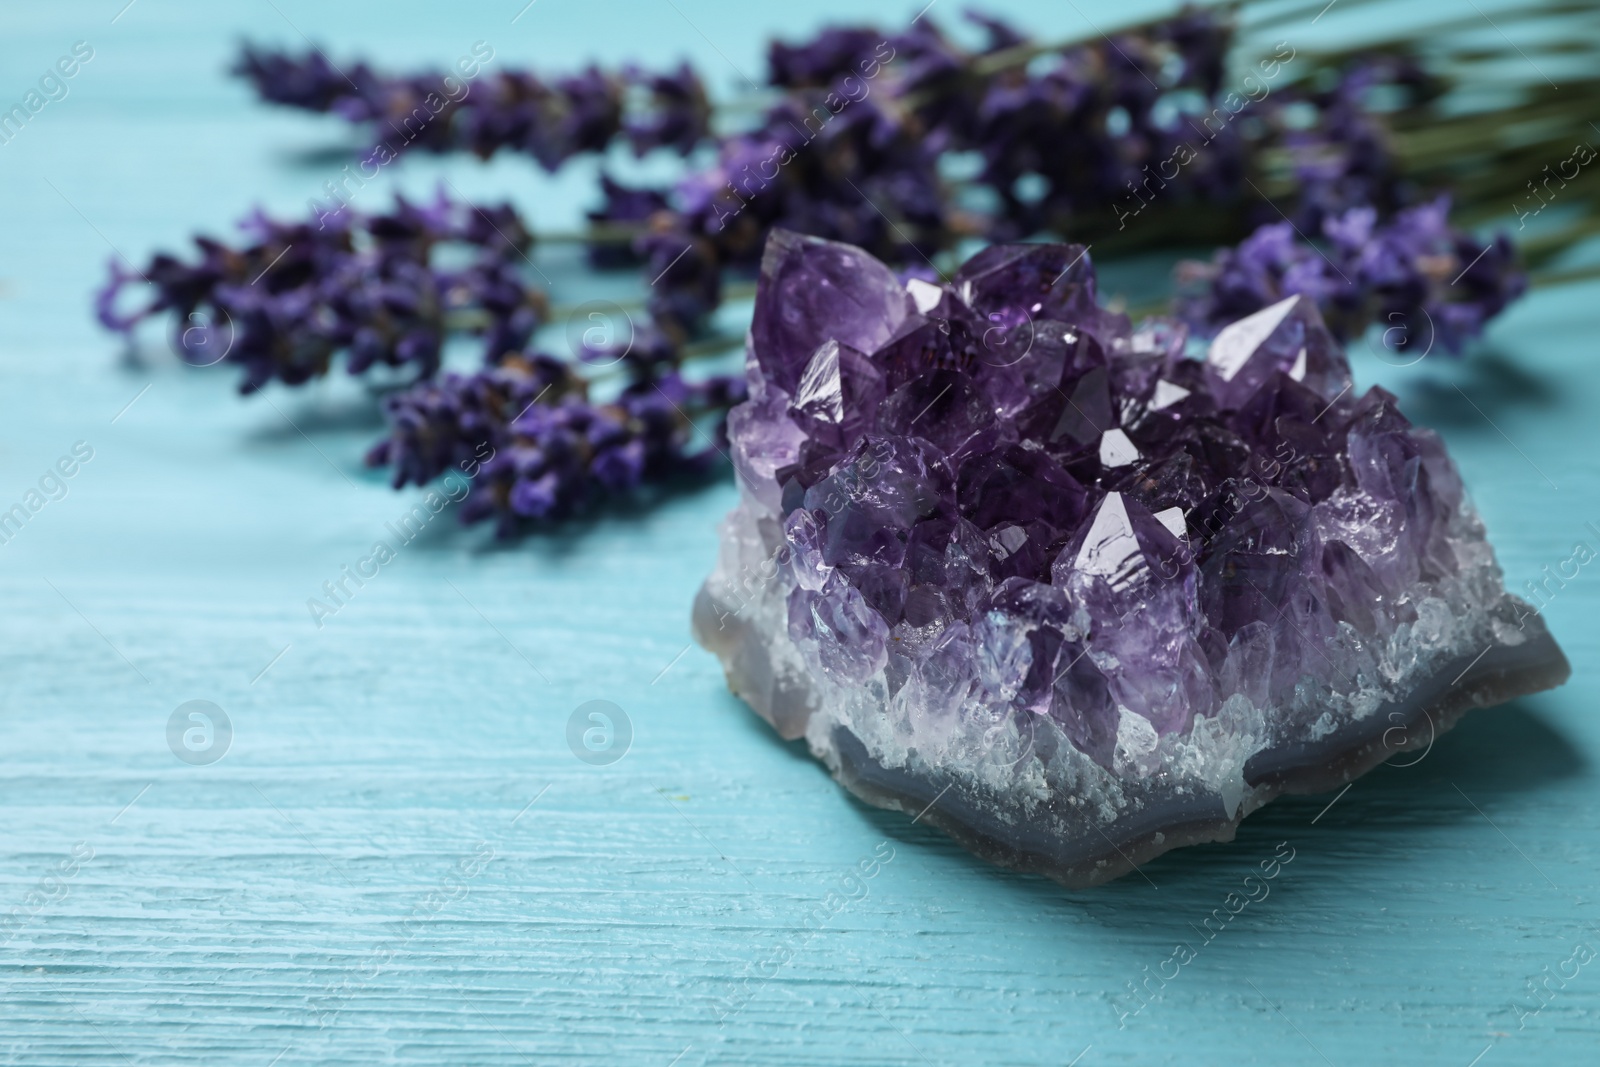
point(400, 860)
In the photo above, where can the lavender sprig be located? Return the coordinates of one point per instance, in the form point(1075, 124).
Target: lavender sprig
point(552, 120)
point(1081, 141)
point(1118, 141)
point(297, 295)
point(1416, 277)
point(536, 449)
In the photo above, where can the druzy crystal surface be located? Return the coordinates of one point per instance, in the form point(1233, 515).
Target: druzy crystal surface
point(1078, 590)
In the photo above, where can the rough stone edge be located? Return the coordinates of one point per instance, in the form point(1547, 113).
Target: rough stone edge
point(1499, 674)
point(1453, 691)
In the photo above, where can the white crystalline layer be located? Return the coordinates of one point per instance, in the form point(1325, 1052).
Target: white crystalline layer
point(1137, 742)
point(943, 727)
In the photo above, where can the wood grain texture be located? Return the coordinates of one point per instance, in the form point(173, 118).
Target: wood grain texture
point(362, 879)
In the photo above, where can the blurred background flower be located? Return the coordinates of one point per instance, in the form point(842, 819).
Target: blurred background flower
point(1380, 180)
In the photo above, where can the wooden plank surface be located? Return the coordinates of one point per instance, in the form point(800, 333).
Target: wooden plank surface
point(400, 860)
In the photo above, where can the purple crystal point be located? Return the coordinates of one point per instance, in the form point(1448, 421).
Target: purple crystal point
point(1010, 560)
point(811, 291)
point(1289, 337)
point(1133, 591)
point(1021, 281)
point(838, 395)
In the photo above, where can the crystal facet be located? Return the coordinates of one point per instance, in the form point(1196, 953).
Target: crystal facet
point(1007, 560)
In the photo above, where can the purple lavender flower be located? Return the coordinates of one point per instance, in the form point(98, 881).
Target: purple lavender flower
point(1202, 40)
point(284, 305)
point(1002, 35)
point(449, 423)
point(686, 284)
point(834, 53)
point(647, 351)
point(552, 120)
point(591, 114)
point(1415, 277)
point(679, 115)
point(1071, 135)
point(1265, 267)
point(820, 164)
point(623, 204)
point(306, 81)
point(105, 300)
point(1343, 159)
point(1072, 143)
point(535, 449)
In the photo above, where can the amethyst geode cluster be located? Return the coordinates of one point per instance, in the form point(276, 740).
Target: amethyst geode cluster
point(1081, 591)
